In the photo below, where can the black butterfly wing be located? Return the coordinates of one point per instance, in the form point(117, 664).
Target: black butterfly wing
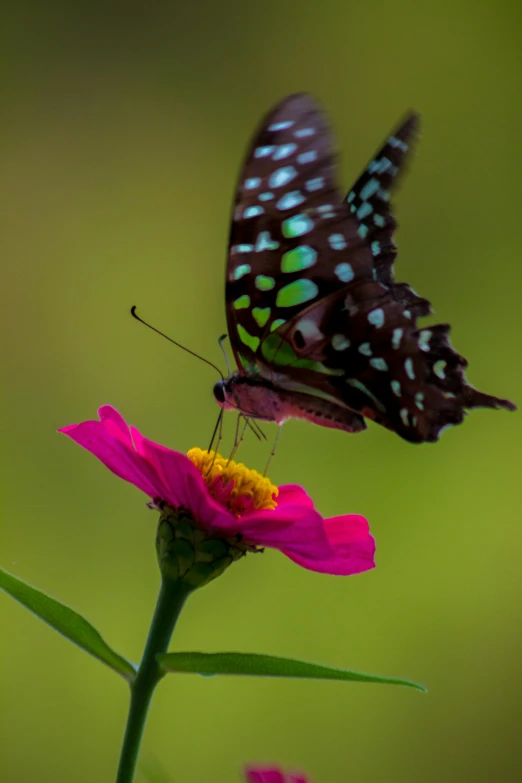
point(312, 307)
point(289, 173)
point(370, 202)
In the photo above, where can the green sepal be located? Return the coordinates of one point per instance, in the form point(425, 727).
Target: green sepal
point(187, 554)
point(67, 622)
point(267, 666)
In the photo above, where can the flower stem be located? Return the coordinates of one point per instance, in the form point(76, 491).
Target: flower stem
point(170, 602)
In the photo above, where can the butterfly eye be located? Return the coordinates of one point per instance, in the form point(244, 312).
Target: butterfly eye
point(219, 391)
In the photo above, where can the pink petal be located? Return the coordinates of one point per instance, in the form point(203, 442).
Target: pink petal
point(117, 426)
point(264, 775)
point(353, 548)
point(271, 775)
point(121, 460)
point(185, 485)
point(294, 525)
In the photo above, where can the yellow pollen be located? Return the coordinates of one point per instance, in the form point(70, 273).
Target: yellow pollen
point(248, 484)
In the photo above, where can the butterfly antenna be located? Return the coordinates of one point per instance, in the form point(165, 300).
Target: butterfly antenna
point(220, 343)
point(193, 353)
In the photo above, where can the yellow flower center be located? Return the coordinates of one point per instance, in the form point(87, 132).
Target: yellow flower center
point(233, 484)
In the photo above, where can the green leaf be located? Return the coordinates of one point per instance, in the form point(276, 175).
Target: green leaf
point(67, 622)
point(267, 666)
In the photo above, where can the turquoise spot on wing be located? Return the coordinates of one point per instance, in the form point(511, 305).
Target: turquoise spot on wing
point(408, 366)
point(362, 231)
point(277, 350)
point(276, 324)
point(438, 369)
point(424, 339)
point(316, 183)
point(277, 126)
point(261, 315)
point(264, 283)
point(266, 196)
point(249, 340)
point(241, 270)
point(364, 210)
point(337, 241)
point(290, 200)
point(302, 132)
point(252, 183)
point(396, 338)
point(282, 177)
point(296, 226)
point(265, 242)
point(263, 152)
point(296, 293)
point(393, 141)
point(253, 211)
point(418, 401)
point(376, 317)
point(351, 196)
point(376, 248)
point(297, 259)
point(365, 349)
point(340, 342)
point(379, 220)
point(307, 157)
point(396, 388)
point(344, 272)
point(242, 303)
point(244, 248)
point(379, 364)
point(284, 151)
point(370, 189)
point(403, 413)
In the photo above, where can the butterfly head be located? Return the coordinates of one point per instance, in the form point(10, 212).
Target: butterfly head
point(220, 393)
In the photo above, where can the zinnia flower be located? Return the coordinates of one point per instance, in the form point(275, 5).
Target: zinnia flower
point(228, 501)
point(272, 775)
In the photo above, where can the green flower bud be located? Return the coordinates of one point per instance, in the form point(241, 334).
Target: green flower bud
point(187, 554)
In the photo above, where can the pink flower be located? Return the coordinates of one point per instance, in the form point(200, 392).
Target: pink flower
point(231, 499)
point(272, 775)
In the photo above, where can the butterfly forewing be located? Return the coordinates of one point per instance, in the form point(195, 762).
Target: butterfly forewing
point(286, 186)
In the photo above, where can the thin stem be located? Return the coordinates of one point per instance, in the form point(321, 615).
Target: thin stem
point(170, 603)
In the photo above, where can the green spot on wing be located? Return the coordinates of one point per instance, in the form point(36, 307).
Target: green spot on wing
point(277, 351)
point(261, 315)
point(242, 303)
point(277, 323)
point(299, 258)
point(296, 293)
point(249, 340)
point(264, 283)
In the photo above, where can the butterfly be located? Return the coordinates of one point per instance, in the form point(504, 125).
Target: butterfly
point(320, 329)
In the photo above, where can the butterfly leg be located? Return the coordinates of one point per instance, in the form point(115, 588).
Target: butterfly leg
point(239, 437)
point(274, 447)
point(256, 429)
point(218, 430)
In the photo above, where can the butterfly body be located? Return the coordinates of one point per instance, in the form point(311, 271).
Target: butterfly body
point(319, 327)
point(265, 400)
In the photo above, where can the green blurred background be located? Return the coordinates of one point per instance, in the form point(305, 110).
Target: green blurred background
point(124, 127)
